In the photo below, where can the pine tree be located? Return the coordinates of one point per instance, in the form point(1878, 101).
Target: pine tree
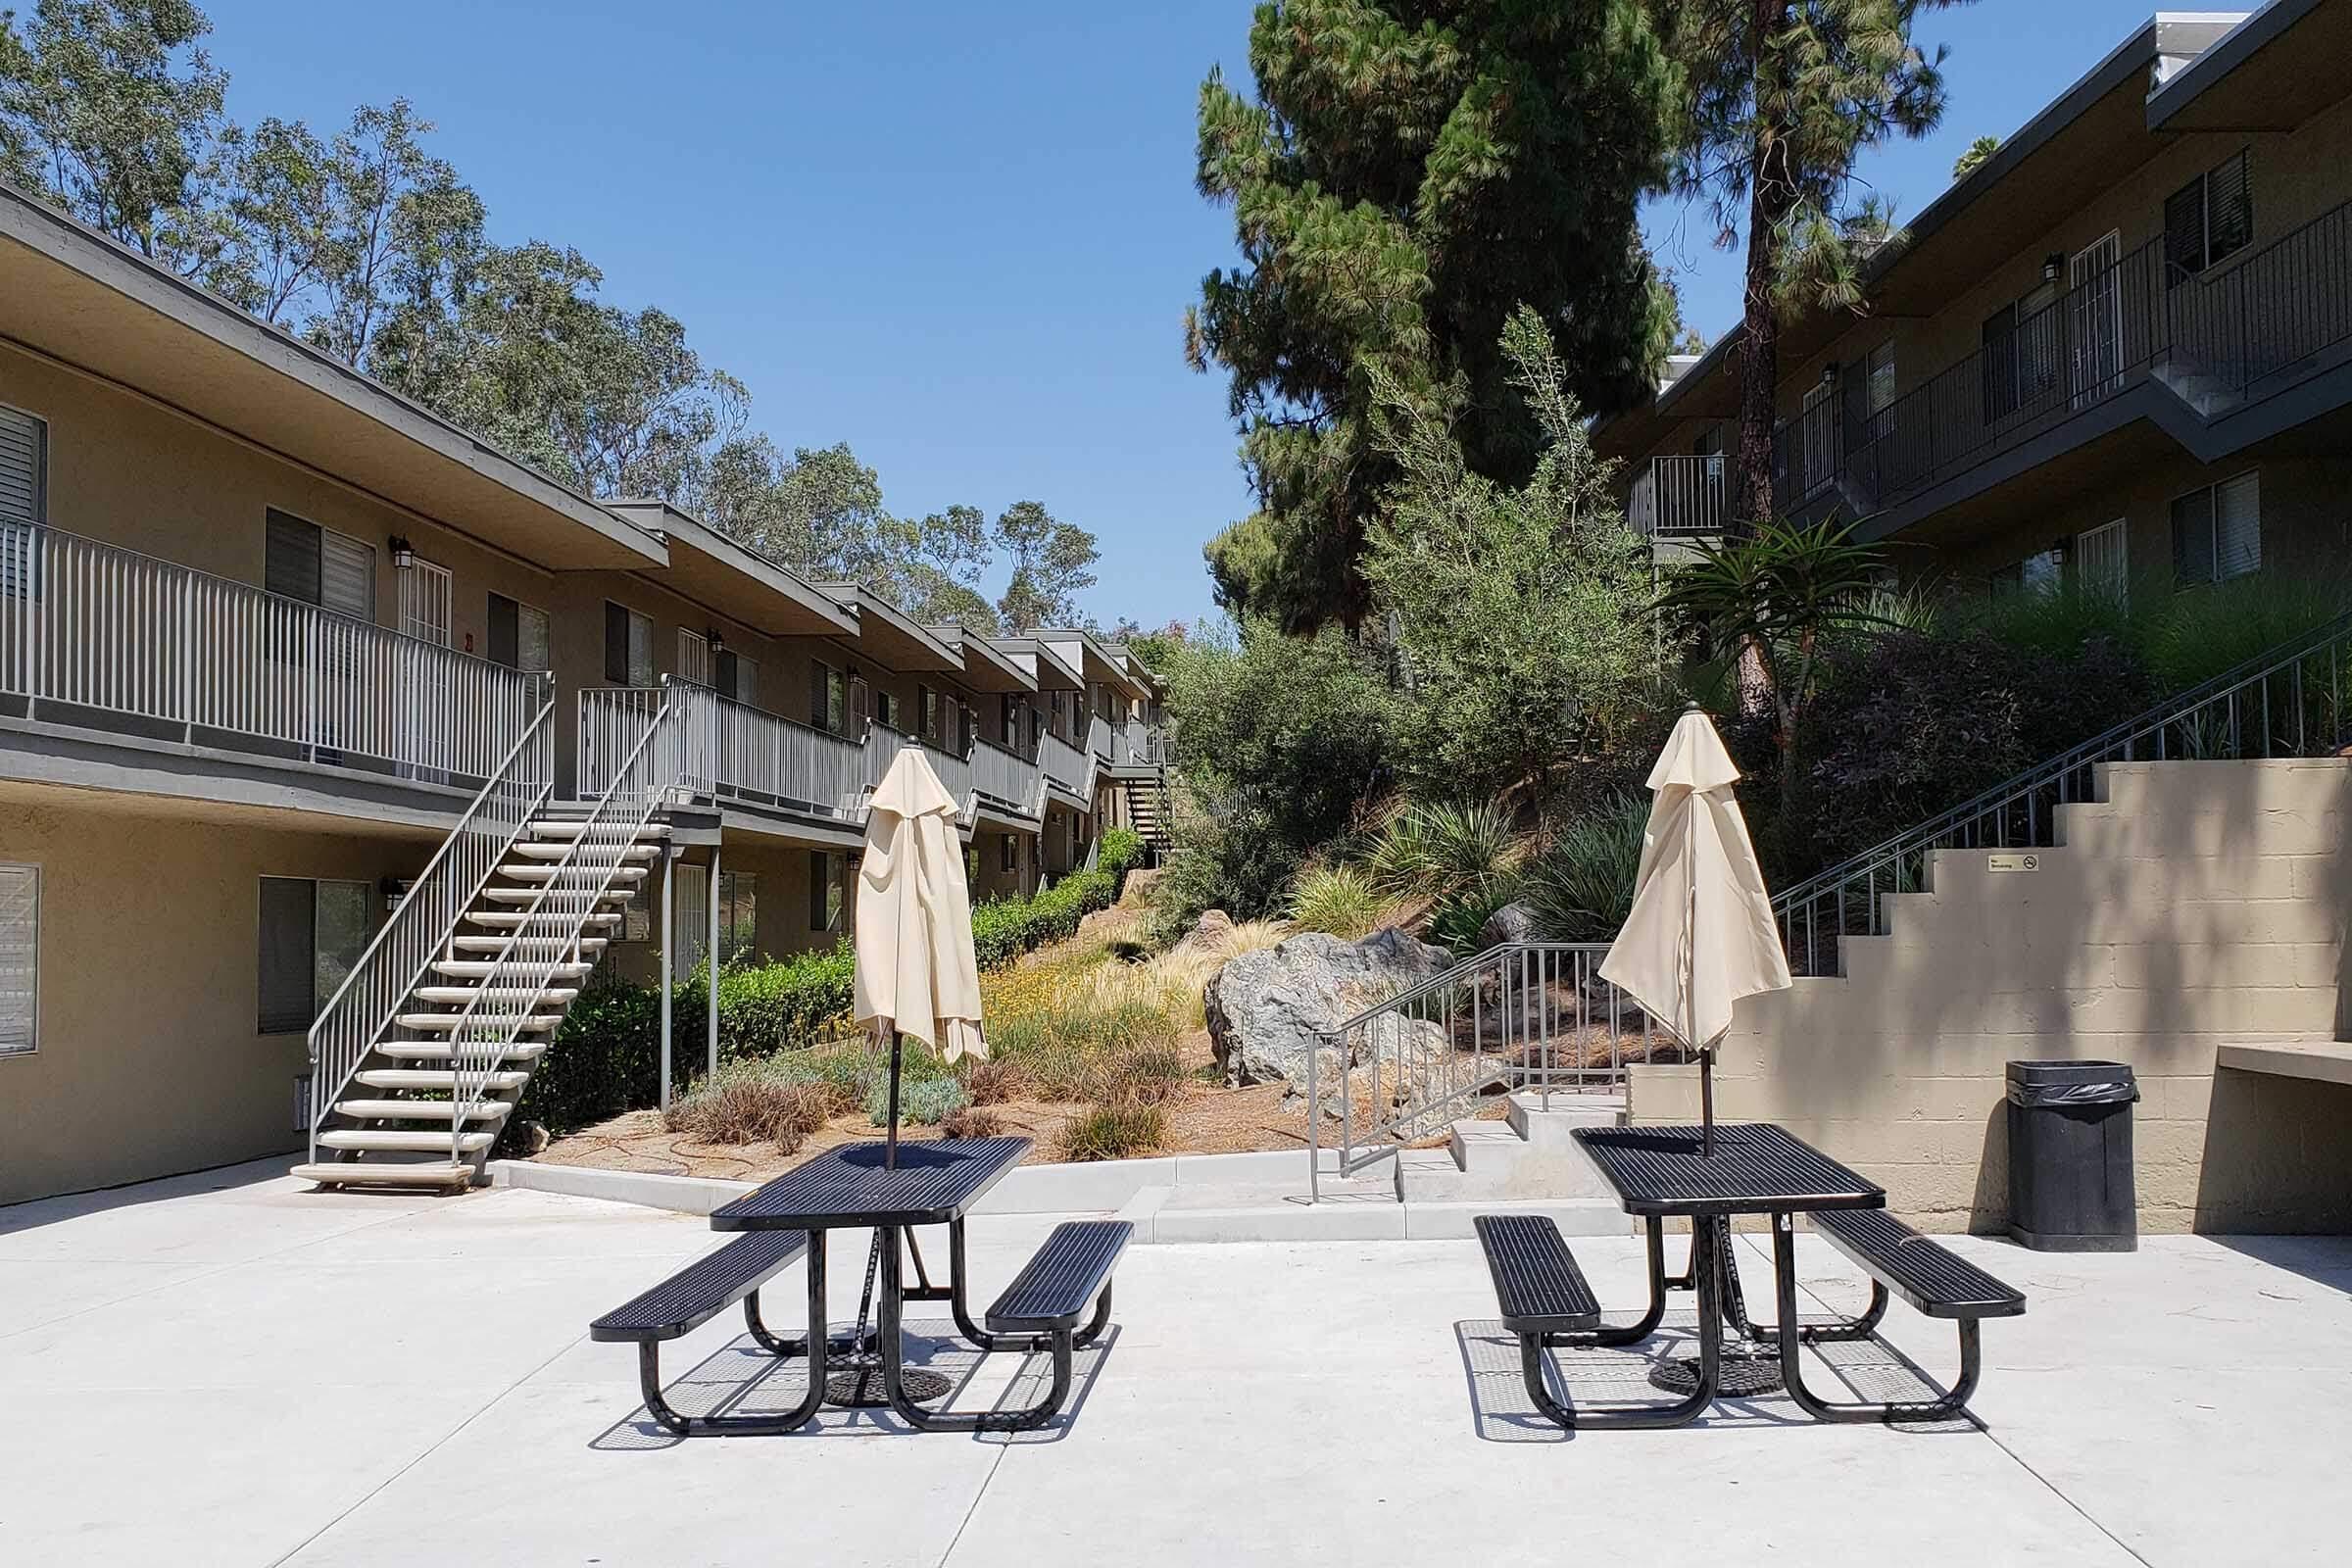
point(1409, 172)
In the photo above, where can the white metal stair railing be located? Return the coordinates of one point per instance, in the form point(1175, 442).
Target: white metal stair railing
point(98, 636)
point(1524, 1015)
point(648, 777)
point(615, 720)
point(766, 758)
point(365, 1010)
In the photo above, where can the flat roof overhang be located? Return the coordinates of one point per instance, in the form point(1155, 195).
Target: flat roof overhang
point(1077, 648)
point(714, 570)
point(2270, 73)
point(887, 636)
point(1042, 663)
point(77, 297)
point(985, 669)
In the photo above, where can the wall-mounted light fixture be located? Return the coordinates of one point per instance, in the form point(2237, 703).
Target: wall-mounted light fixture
point(1828, 374)
point(714, 639)
point(394, 890)
point(404, 553)
point(2053, 267)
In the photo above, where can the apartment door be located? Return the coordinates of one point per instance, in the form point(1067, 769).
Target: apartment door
point(2100, 564)
point(1819, 439)
point(428, 712)
point(2096, 319)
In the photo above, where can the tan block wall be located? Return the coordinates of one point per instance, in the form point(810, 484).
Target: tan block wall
point(2200, 902)
point(148, 1061)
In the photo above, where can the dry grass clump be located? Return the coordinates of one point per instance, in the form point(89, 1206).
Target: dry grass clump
point(1151, 1075)
point(972, 1121)
point(992, 1080)
point(758, 1102)
point(1119, 1131)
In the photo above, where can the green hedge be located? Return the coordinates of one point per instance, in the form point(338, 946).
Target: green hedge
point(606, 1058)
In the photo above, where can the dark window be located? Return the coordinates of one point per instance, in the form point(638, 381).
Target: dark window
point(731, 675)
point(2209, 219)
point(312, 936)
point(828, 889)
point(2217, 531)
point(1009, 852)
point(1998, 338)
point(616, 644)
point(506, 632)
point(291, 568)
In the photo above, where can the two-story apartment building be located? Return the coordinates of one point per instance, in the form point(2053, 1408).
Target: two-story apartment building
point(2119, 351)
point(317, 715)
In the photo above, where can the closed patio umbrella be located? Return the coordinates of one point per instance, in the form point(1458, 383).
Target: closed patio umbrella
point(915, 972)
point(1700, 934)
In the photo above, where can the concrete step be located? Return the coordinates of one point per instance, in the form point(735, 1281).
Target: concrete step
point(525, 1051)
point(424, 1140)
point(380, 1173)
point(426, 1110)
point(433, 1078)
point(528, 895)
point(569, 827)
point(587, 875)
point(500, 995)
point(499, 1023)
point(526, 946)
point(556, 849)
point(554, 925)
point(484, 968)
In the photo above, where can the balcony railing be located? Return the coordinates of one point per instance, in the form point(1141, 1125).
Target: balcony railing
point(99, 637)
point(2217, 341)
point(1069, 770)
point(1678, 497)
point(1138, 742)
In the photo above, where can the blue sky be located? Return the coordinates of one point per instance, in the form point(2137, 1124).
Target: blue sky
point(959, 238)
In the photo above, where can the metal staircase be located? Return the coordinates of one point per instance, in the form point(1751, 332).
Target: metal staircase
point(428, 1045)
point(1147, 812)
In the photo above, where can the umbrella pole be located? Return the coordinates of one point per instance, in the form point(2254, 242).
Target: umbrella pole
point(1706, 1101)
point(890, 1147)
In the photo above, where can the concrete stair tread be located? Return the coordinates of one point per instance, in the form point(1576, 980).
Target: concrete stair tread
point(561, 828)
point(431, 1078)
point(443, 1051)
point(533, 871)
point(420, 1140)
point(523, 898)
point(444, 1022)
point(380, 1173)
point(525, 945)
point(484, 968)
point(509, 996)
point(429, 1110)
point(556, 924)
point(556, 850)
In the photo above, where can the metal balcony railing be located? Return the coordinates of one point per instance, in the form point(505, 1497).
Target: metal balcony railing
point(1678, 497)
point(99, 637)
point(1069, 770)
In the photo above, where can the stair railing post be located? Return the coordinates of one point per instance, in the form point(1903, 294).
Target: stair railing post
point(670, 862)
point(711, 957)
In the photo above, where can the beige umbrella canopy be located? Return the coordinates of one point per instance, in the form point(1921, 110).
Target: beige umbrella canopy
point(915, 972)
point(1700, 934)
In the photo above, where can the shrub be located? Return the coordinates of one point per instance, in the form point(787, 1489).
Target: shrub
point(754, 1102)
point(1114, 1132)
point(991, 1080)
point(1153, 1074)
point(1120, 851)
point(605, 1060)
point(1339, 899)
point(922, 1101)
point(1455, 924)
point(972, 1121)
point(1581, 887)
point(1442, 852)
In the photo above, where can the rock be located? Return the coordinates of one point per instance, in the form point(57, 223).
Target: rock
point(1209, 933)
point(1267, 1010)
point(1513, 922)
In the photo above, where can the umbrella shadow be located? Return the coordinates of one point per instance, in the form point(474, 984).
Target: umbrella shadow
point(739, 1378)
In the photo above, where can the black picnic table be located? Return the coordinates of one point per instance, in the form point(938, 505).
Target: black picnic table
point(1667, 1172)
point(855, 1186)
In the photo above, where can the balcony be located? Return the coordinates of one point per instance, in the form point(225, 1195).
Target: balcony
point(106, 640)
point(2200, 349)
point(1678, 497)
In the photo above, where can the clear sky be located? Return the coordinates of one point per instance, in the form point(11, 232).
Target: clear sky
point(960, 238)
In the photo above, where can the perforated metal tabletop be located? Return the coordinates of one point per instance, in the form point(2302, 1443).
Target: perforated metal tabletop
point(935, 1182)
point(1756, 1168)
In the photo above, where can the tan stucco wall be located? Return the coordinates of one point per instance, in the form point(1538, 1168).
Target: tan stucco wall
point(2198, 903)
point(149, 975)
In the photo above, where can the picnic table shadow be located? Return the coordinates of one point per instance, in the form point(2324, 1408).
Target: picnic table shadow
point(1500, 1411)
point(739, 1378)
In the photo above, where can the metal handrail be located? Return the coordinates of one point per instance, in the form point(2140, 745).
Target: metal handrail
point(1522, 1015)
point(2208, 721)
point(642, 783)
point(365, 1008)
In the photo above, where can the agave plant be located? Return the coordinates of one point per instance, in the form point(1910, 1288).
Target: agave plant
point(1581, 888)
point(1445, 853)
point(1338, 900)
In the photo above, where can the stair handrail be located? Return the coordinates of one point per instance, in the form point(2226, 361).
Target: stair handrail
point(2067, 777)
point(364, 1008)
point(1408, 1049)
point(658, 776)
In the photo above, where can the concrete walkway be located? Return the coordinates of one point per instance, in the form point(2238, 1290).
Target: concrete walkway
point(229, 1369)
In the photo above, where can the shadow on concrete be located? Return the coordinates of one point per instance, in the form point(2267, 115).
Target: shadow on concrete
point(2324, 1260)
point(740, 1377)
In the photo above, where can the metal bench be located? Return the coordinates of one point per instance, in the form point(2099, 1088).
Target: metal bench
point(1543, 1300)
point(1040, 1310)
point(1934, 1280)
point(699, 1293)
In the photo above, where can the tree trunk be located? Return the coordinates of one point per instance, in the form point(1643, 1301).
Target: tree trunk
point(1772, 193)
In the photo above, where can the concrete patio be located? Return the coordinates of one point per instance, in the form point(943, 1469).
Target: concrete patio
point(176, 1361)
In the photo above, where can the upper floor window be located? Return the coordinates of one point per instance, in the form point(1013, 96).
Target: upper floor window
point(628, 646)
point(886, 712)
point(736, 676)
point(318, 566)
point(2208, 220)
point(694, 657)
point(23, 466)
point(518, 634)
point(1877, 384)
point(828, 697)
point(2217, 531)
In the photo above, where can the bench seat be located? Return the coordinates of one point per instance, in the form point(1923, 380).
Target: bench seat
point(1934, 1280)
point(1537, 1286)
point(702, 1290)
point(1068, 1273)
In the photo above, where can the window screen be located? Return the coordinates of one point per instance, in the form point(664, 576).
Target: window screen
point(345, 575)
point(2217, 532)
point(290, 561)
point(19, 958)
point(2208, 218)
point(24, 465)
point(312, 936)
point(628, 647)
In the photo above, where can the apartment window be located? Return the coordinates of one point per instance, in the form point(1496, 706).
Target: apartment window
point(628, 647)
point(2038, 572)
point(886, 712)
point(23, 466)
point(737, 676)
point(424, 600)
point(828, 890)
point(2208, 220)
point(1008, 721)
point(926, 713)
point(2217, 531)
point(319, 566)
point(518, 634)
point(19, 958)
point(1009, 852)
point(312, 932)
point(861, 704)
point(694, 658)
point(1877, 386)
point(2100, 566)
point(738, 913)
point(828, 697)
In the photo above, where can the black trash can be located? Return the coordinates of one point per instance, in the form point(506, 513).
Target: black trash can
point(2070, 1156)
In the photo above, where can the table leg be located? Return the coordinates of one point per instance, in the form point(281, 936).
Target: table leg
point(800, 1415)
point(894, 1371)
point(1706, 1264)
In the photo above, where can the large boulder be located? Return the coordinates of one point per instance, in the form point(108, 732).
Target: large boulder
point(1513, 922)
point(1268, 1010)
point(1207, 934)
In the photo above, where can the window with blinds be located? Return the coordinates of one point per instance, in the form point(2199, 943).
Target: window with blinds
point(319, 566)
point(2217, 531)
point(311, 935)
point(628, 647)
point(19, 958)
point(2209, 219)
point(517, 635)
point(23, 466)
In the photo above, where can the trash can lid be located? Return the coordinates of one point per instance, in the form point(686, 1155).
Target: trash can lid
point(2051, 1074)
